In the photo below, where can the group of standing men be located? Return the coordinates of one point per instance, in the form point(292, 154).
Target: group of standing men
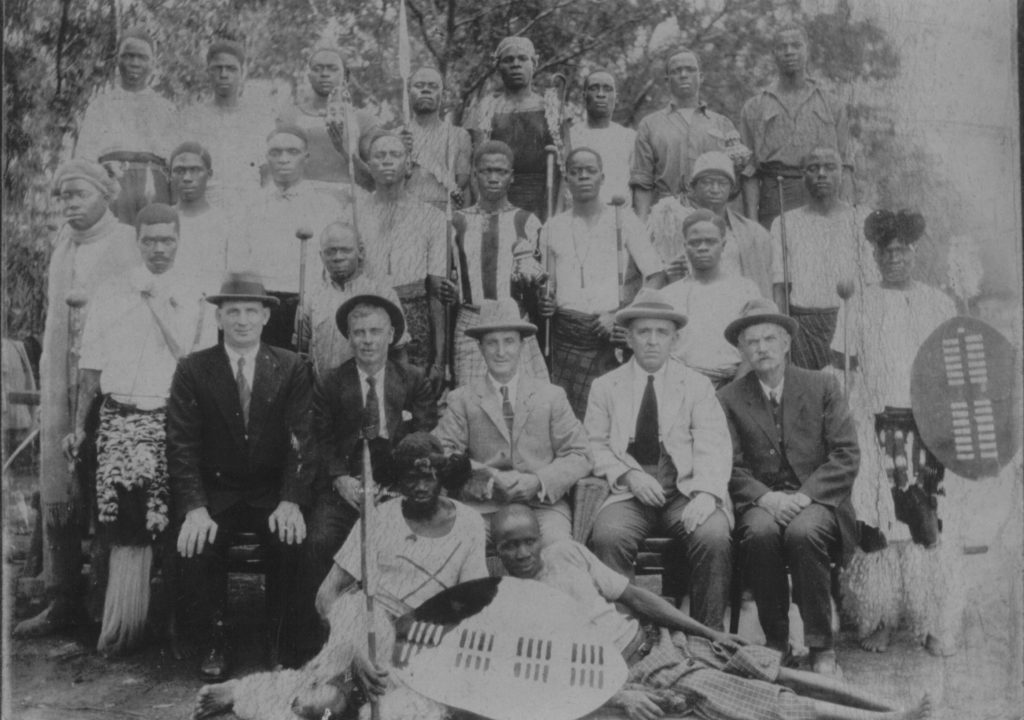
point(648, 310)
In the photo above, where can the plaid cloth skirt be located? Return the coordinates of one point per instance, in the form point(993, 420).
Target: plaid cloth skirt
point(578, 356)
point(416, 308)
point(469, 361)
point(696, 676)
point(812, 346)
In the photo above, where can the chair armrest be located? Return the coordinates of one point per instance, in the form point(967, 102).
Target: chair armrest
point(588, 495)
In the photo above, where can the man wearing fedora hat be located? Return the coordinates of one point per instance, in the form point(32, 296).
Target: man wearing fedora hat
point(367, 397)
point(748, 247)
point(660, 439)
point(795, 457)
point(240, 459)
point(519, 431)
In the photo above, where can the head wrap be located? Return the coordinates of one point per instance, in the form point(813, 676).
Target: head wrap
point(137, 33)
point(92, 172)
point(191, 146)
point(421, 452)
point(288, 129)
point(883, 226)
point(229, 47)
point(515, 43)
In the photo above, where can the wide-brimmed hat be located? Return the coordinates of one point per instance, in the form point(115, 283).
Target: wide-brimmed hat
point(650, 304)
point(502, 316)
point(756, 312)
point(394, 312)
point(242, 287)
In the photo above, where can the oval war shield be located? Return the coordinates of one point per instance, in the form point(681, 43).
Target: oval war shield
point(962, 394)
point(506, 649)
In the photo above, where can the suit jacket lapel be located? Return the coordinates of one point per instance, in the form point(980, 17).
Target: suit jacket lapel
point(759, 410)
point(524, 403)
point(491, 406)
point(224, 390)
point(626, 407)
point(265, 383)
point(670, 407)
point(792, 403)
point(394, 397)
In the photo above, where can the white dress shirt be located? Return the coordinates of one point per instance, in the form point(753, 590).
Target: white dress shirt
point(777, 390)
point(512, 385)
point(249, 369)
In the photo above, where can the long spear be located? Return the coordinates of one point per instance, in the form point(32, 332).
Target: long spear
point(551, 152)
point(451, 314)
point(404, 59)
point(785, 247)
point(364, 560)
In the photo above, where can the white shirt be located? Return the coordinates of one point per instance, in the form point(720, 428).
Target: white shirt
point(512, 385)
point(119, 119)
point(123, 341)
point(249, 369)
point(594, 250)
point(615, 144)
point(205, 252)
point(777, 390)
point(640, 385)
point(364, 388)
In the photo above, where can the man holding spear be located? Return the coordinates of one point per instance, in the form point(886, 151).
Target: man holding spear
point(599, 256)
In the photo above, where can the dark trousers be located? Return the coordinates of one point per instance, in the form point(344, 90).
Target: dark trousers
point(622, 526)
point(328, 525)
point(204, 577)
point(806, 546)
point(280, 328)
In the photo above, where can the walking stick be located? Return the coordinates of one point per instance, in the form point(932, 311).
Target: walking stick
point(452, 311)
point(303, 234)
point(364, 561)
point(404, 60)
point(75, 304)
point(549, 180)
point(844, 289)
point(785, 248)
point(617, 202)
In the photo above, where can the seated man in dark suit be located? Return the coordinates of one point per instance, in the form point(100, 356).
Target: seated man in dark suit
point(239, 459)
point(368, 396)
point(795, 457)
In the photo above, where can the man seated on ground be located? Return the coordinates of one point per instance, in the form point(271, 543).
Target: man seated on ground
point(420, 545)
point(368, 397)
point(679, 666)
point(660, 440)
point(520, 432)
point(710, 298)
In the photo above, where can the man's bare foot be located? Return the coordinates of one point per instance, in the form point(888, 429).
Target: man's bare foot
point(57, 616)
point(214, 699)
point(937, 647)
point(823, 662)
point(878, 641)
point(923, 711)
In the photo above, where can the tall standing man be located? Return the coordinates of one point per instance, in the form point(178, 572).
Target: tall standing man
point(519, 431)
point(599, 131)
point(497, 244)
point(660, 440)
point(599, 257)
point(824, 245)
point(785, 121)
point(795, 457)
point(127, 128)
point(669, 141)
point(517, 116)
point(231, 128)
point(440, 151)
point(92, 249)
point(240, 460)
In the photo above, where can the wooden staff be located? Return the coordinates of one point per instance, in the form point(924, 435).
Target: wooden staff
point(451, 312)
point(364, 561)
point(404, 60)
point(549, 181)
point(617, 202)
point(303, 234)
point(845, 289)
point(785, 248)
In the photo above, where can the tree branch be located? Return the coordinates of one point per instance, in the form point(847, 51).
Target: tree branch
point(420, 20)
point(490, 7)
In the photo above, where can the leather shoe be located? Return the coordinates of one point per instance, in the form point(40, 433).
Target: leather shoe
point(214, 665)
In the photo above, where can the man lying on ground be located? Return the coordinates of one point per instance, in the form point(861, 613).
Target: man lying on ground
point(681, 666)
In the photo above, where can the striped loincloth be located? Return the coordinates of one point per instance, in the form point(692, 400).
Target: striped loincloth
point(578, 355)
point(811, 347)
point(131, 475)
point(469, 361)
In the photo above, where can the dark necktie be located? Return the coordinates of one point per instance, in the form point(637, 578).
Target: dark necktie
point(244, 391)
point(489, 257)
point(646, 448)
point(371, 410)
point(506, 409)
point(773, 401)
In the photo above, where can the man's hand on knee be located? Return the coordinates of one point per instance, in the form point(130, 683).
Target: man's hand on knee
point(197, 530)
point(645, 488)
point(783, 507)
point(372, 677)
point(638, 704)
point(288, 523)
point(698, 510)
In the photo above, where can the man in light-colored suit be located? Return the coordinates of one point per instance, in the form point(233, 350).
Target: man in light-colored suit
point(660, 439)
point(796, 457)
point(525, 443)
